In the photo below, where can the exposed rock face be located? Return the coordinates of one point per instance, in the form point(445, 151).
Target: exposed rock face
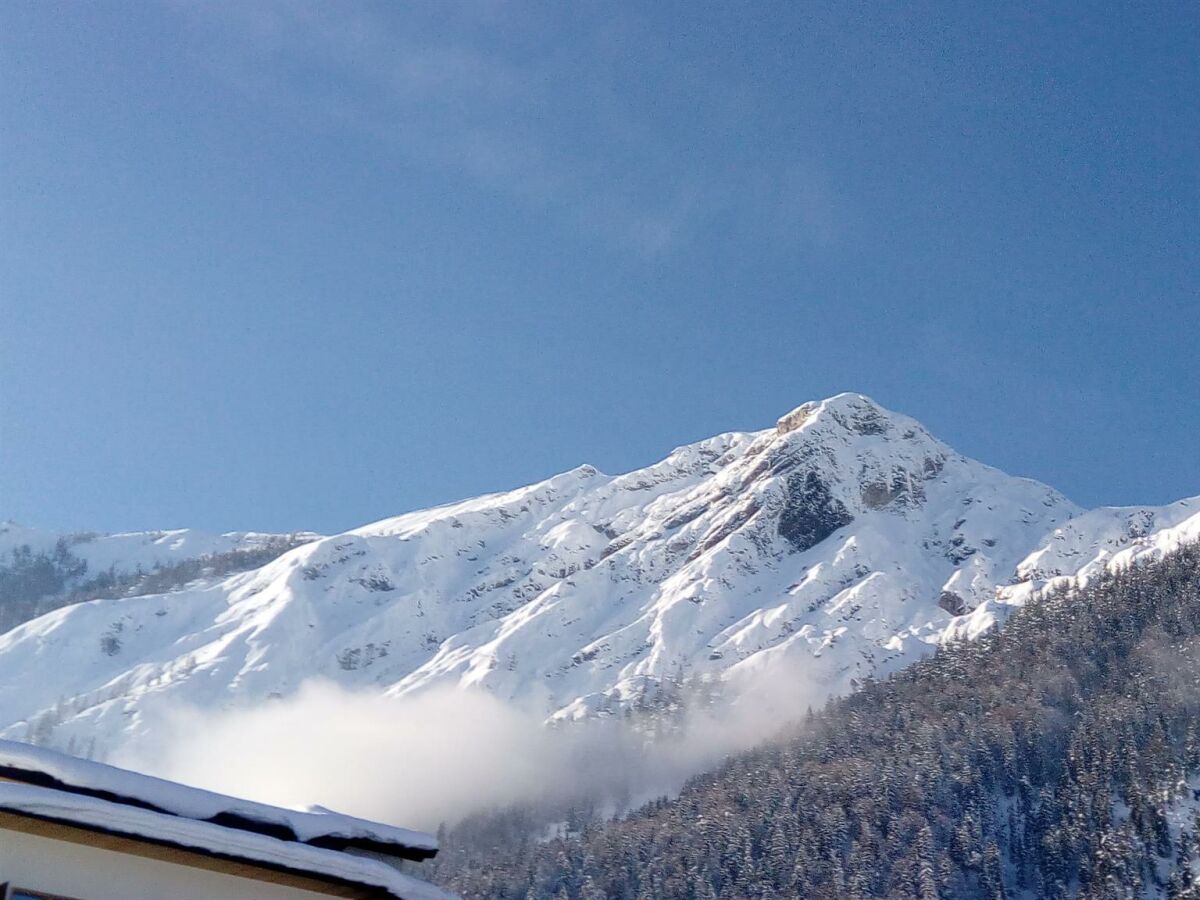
point(902, 489)
point(953, 603)
point(796, 417)
point(865, 418)
point(812, 513)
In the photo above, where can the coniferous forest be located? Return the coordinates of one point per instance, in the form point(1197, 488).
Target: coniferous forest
point(1058, 757)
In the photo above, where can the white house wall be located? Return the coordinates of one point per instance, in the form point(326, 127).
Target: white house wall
point(90, 873)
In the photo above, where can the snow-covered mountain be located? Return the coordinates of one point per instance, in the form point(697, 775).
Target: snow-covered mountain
point(844, 542)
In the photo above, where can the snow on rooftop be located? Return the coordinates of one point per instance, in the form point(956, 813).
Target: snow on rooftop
point(314, 824)
point(93, 812)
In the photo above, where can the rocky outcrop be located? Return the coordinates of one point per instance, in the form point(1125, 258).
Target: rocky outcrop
point(811, 512)
point(796, 417)
point(953, 603)
point(902, 488)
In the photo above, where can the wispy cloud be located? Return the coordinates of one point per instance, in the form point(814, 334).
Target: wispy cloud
point(538, 104)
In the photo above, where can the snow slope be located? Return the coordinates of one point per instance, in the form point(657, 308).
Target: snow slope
point(844, 542)
point(1085, 546)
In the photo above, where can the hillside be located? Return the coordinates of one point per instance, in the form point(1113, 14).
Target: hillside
point(1058, 757)
point(42, 570)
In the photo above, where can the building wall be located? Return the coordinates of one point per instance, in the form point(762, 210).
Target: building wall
point(91, 873)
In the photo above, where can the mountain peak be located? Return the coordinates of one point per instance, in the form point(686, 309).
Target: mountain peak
point(856, 411)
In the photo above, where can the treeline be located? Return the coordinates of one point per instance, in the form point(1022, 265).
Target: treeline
point(33, 583)
point(1049, 759)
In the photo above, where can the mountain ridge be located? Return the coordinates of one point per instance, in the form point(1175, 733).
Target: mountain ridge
point(842, 543)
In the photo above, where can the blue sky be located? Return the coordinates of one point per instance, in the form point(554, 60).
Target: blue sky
point(284, 266)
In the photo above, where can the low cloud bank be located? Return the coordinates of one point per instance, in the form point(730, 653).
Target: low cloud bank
point(440, 755)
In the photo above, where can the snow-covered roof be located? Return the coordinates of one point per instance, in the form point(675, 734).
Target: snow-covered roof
point(215, 840)
point(315, 825)
point(39, 782)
